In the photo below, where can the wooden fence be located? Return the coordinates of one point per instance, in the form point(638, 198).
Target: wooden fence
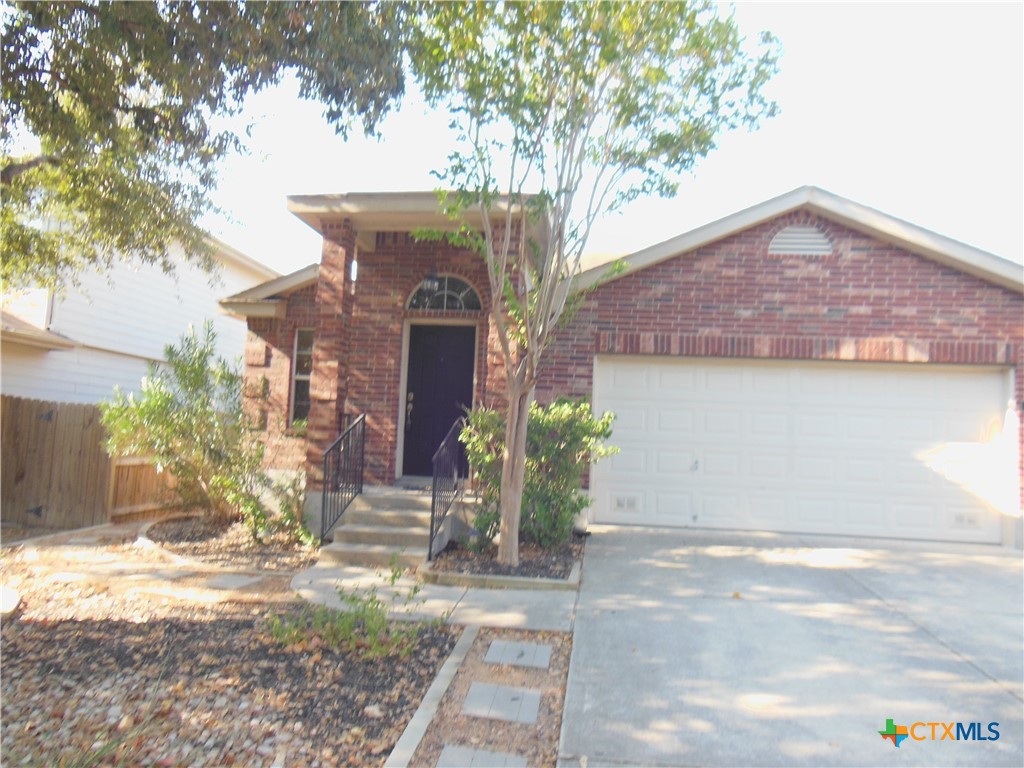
point(54, 472)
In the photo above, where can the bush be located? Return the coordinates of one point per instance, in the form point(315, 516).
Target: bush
point(562, 440)
point(189, 418)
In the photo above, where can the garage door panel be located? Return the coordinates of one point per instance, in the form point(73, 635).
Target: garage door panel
point(768, 467)
point(678, 420)
point(717, 423)
point(769, 425)
point(863, 449)
point(673, 506)
point(675, 463)
point(675, 383)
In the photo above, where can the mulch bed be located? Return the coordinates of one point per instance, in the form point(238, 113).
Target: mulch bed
point(231, 545)
point(534, 562)
point(171, 683)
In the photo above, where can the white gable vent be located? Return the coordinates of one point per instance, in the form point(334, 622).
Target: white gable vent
point(800, 241)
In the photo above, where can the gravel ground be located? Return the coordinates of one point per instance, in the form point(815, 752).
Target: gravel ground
point(231, 545)
point(91, 677)
point(534, 562)
point(538, 743)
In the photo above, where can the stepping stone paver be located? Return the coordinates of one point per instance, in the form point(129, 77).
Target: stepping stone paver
point(520, 654)
point(502, 702)
point(231, 581)
point(464, 757)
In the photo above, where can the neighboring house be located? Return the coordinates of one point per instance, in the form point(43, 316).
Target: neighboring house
point(806, 365)
point(78, 346)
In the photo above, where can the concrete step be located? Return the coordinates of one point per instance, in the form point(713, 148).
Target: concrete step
point(372, 555)
point(394, 536)
point(408, 518)
point(391, 499)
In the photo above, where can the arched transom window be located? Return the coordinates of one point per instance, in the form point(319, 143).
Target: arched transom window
point(446, 293)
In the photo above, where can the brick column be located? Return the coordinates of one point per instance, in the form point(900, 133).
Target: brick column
point(329, 380)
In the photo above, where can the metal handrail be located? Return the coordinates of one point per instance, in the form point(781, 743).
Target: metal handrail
point(444, 487)
point(344, 462)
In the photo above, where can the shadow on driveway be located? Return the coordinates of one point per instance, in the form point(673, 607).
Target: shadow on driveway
point(733, 649)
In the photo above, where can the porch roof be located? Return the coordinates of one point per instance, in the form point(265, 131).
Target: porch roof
point(373, 212)
point(269, 299)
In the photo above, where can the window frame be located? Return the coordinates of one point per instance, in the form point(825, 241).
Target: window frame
point(297, 377)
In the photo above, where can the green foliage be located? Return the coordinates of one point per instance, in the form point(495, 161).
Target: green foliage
point(562, 440)
point(189, 418)
point(112, 119)
point(291, 502)
point(362, 627)
point(588, 105)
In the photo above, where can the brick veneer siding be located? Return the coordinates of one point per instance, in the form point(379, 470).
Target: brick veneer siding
point(387, 278)
point(268, 374)
point(867, 301)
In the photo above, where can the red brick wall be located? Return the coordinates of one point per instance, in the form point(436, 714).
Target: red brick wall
point(867, 301)
point(268, 372)
point(387, 278)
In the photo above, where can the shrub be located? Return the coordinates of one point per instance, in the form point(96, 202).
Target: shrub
point(189, 418)
point(562, 440)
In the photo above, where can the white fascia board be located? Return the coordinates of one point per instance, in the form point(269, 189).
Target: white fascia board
point(938, 248)
point(284, 284)
point(272, 308)
point(225, 252)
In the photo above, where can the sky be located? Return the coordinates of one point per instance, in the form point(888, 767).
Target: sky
point(916, 109)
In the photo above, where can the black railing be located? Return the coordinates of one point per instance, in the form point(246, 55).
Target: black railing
point(343, 474)
point(445, 485)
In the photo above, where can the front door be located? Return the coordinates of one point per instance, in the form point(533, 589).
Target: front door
point(439, 390)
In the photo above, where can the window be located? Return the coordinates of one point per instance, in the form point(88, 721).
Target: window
point(446, 293)
point(302, 369)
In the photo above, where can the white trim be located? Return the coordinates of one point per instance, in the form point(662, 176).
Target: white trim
point(403, 378)
point(938, 248)
point(260, 301)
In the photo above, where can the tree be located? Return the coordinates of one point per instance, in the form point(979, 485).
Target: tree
point(126, 101)
point(588, 104)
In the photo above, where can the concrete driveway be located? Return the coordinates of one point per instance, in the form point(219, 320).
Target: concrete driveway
point(745, 649)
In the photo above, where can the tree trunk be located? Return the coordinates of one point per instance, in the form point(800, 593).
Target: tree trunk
point(513, 473)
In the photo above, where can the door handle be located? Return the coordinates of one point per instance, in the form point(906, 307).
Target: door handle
point(408, 411)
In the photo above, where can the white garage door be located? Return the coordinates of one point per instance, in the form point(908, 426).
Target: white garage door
point(851, 448)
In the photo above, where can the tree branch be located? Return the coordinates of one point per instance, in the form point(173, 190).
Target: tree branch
point(14, 169)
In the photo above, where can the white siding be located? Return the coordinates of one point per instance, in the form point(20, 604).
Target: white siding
point(78, 375)
point(123, 320)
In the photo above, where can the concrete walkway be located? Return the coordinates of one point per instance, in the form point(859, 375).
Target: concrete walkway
point(510, 608)
point(722, 649)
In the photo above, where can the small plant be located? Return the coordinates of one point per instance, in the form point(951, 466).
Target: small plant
point(562, 440)
point(363, 627)
point(291, 502)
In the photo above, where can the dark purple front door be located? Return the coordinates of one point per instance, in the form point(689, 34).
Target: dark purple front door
point(439, 390)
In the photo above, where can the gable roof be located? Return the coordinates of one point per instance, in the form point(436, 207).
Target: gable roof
point(269, 299)
point(229, 254)
point(924, 242)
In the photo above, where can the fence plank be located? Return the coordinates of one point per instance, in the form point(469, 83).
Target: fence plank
point(55, 472)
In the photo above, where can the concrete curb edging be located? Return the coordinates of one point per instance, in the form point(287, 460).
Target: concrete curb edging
point(414, 732)
point(488, 581)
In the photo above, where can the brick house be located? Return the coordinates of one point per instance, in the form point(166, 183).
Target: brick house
point(805, 365)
